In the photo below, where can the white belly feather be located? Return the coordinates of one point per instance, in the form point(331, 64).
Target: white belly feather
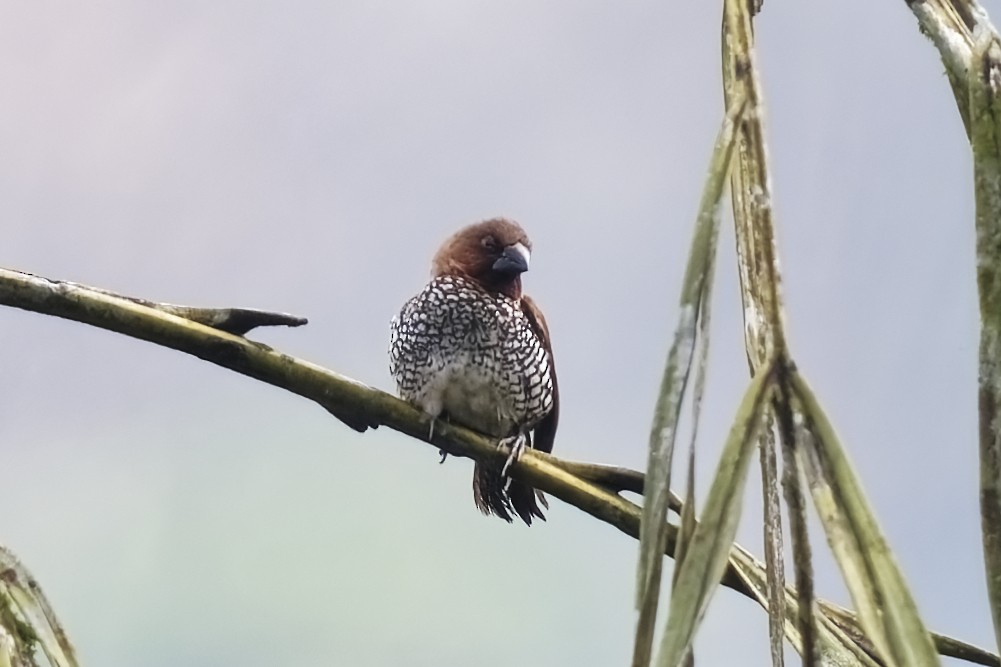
point(469, 394)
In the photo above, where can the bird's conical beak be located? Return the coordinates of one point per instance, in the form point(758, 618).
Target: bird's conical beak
point(513, 260)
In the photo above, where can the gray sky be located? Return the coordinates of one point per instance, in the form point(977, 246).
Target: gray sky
point(309, 157)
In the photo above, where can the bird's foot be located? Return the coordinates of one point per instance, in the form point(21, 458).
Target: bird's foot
point(444, 454)
point(517, 444)
point(431, 428)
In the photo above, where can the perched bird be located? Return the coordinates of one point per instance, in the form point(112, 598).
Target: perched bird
point(472, 349)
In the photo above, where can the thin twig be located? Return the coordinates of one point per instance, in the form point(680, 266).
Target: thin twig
point(237, 321)
point(613, 478)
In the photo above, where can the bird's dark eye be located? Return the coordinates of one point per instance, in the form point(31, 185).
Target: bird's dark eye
point(490, 243)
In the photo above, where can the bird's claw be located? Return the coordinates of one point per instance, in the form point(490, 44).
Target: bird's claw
point(517, 445)
point(444, 454)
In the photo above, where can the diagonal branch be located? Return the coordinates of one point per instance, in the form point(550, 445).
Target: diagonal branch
point(590, 487)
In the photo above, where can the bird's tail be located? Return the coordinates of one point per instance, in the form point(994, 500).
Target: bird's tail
point(496, 494)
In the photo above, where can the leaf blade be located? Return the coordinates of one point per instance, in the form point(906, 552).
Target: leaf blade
point(657, 491)
point(709, 551)
point(886, 608)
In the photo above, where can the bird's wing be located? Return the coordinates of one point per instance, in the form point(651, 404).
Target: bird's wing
point(545, 430)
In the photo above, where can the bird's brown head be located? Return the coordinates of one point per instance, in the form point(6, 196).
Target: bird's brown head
point(493, 253)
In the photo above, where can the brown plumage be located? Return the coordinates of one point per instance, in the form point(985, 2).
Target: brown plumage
point(471, 348)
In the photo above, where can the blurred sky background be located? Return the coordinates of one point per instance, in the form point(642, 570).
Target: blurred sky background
point(309, 157)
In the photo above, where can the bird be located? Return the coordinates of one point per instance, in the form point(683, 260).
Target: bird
point(471, 348)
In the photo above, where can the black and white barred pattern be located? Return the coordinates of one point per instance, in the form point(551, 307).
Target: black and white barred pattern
point(458, 350)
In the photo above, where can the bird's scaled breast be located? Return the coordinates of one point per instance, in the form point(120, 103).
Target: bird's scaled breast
point(471, 355)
